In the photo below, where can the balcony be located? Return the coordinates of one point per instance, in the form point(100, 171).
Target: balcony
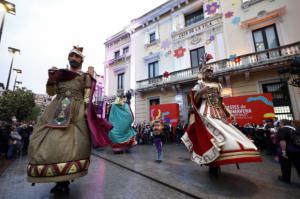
point(212, 23)
point(117, 60)
point(272, 58)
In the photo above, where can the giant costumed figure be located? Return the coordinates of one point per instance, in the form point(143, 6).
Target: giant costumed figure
point(60, 145)
point(210, 138)
point(122, 134)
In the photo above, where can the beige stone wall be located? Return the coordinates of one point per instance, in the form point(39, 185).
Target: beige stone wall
point(239, 40)
point(241, 86)
point(110, 51)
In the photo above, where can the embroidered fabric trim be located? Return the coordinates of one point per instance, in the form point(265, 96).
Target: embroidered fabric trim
point(58, 169)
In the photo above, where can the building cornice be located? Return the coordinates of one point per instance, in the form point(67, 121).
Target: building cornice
point(116, 37)
point(267, 16)
point(156, 13)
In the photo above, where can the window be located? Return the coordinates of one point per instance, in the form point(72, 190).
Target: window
point(265, 38)
point(153, 102)
point(152, 37)
point(153, 69)
point(196, 56)
point(121, 81)
point(117, 54)
point(281, 99)
point(125, 50)
point(194, 17)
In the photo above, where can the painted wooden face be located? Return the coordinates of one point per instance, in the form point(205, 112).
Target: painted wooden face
point(208, 74)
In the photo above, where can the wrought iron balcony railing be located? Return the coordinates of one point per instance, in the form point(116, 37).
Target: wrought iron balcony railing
point(222, 67)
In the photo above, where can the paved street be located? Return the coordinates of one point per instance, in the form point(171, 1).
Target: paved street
point(135, 175)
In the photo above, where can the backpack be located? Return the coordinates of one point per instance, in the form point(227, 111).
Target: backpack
point(295, 137)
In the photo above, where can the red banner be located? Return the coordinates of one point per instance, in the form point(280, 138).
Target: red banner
point(251, 108)
point(166, 112)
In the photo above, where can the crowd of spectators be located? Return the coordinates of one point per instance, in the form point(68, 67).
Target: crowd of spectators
point(280, 139)
point(14, 138)
point(170, 133)
point(263, 135)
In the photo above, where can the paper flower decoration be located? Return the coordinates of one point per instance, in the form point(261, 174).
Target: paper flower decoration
point(169, 52)
point(236, 20)
point(237, 60)
point(179, 52)
point(165, 44)
point(212, 8)
point(209, 57)
point(228, 14)
point(212, 38)
point(166, 74)
point(232, 57)
point(206, 57)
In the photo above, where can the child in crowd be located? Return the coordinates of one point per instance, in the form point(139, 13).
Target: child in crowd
point(157, 139)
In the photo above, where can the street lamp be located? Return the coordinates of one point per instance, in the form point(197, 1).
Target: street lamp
point(18, 82)
point(7, 7)
point(13, 51)
point(18, 71)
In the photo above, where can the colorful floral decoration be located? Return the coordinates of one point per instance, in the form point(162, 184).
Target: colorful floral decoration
point(236, 20)
point(165, 44)
point(206, 57)
point(232, 57)
point(210, 39)
point(167, 53)
point(237, 60)
point(228, 14)
point(212, 8)
point(166, 74)
point(207, 42)
point(179, 52)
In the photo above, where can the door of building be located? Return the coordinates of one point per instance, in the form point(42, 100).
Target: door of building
point(281, 99)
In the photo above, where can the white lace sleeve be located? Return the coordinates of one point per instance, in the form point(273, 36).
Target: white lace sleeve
point(198, 86)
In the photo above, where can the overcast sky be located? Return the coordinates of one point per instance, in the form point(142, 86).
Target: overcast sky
point(46, 30)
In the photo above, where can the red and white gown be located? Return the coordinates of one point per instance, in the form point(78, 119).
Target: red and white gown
point(209, 137)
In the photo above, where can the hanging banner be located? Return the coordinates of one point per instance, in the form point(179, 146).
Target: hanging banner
point(251, 108)
point(167, 112)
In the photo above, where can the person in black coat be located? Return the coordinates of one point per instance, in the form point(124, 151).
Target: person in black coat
point(289, 152)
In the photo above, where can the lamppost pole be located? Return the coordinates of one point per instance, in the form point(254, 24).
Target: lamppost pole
point(13, 51)
point(7, 8)
point(16, 82)
point(2, 24)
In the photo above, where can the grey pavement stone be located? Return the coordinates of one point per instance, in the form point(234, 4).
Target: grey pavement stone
point(253, 180)
point(107, 180)
point(104, 181)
